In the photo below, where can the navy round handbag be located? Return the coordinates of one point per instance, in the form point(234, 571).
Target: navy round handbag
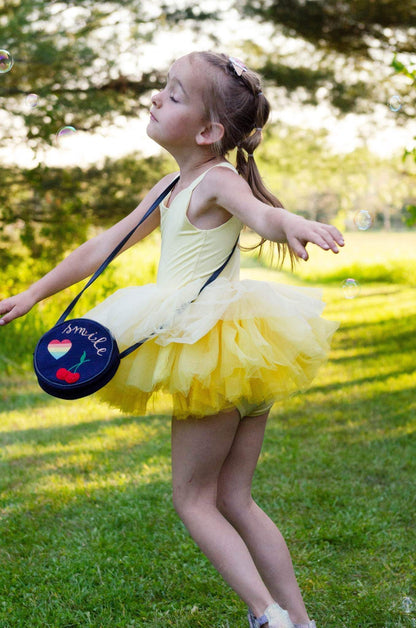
point(76, 358)
point(79, 356)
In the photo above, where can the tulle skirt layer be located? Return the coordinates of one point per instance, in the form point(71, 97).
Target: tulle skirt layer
point(239, 340)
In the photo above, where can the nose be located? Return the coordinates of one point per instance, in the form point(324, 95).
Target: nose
point(156, 99)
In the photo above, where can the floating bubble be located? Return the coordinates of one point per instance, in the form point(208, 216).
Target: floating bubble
point(66, 131)
point(63, 133)
point(6, 61)
point(395, 103)
point(32, 100)
point(363, 220)
point(350, 288)
point(407, 605)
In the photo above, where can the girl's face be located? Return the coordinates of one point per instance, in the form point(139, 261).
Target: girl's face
point(177, 114)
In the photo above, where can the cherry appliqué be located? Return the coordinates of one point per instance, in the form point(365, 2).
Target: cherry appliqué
point(71, 375)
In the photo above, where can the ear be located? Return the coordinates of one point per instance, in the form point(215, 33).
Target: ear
point(211, 133)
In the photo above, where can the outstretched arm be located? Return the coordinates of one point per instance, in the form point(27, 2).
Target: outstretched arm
point(84, 260)
point(273, 223)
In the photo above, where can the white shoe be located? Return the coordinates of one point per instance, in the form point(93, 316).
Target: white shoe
point(274, 615)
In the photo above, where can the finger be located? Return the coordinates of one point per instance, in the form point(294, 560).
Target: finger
point(322, 240)
point(326, 241)
point(7, 317)
point(299, 249)
point(330, 234)
point(337, 235)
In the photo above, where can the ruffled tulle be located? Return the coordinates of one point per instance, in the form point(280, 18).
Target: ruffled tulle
point(250, 340)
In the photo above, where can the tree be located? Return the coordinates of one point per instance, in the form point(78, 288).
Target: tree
point(345, 47)
point(50, 210)
point(82, 59)
point(400, 68)
point(77, 63)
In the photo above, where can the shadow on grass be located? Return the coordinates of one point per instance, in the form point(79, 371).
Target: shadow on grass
point(358, 381)
point(89, 536)
point(105, 548)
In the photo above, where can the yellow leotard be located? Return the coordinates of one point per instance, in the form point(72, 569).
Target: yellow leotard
point(241, 343)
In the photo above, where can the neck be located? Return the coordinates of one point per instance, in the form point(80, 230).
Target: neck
point(193, 162)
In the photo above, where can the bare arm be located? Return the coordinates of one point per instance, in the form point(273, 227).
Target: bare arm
point(84, 260)
point(274, 223)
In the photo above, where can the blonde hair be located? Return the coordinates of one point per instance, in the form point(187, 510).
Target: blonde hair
point(236, 100)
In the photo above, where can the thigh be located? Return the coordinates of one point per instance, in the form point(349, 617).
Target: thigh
point(240, 464)
point(199, 449)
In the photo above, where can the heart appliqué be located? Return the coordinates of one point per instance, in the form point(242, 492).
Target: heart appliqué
point(59, 348)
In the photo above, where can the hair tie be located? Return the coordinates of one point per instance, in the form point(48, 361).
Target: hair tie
point(259, 128)
point(260, 93)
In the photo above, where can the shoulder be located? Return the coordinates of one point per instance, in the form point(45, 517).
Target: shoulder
point(222, 172)
point(221, 181)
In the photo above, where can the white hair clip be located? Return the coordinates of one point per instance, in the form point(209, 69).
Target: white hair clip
point(238, 66)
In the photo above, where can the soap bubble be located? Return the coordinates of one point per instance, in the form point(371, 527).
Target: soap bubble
point(350, 288)
point(6, 61)
point(63, 134)
point(395, 103)
point(407, 605)
point(65, 131)
point(363, 220)
point(32, 100)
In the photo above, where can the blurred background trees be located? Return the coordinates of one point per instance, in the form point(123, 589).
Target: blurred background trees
point(343, 47)
point(90, 66)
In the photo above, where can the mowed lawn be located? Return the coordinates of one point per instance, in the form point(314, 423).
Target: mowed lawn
point(88, 534)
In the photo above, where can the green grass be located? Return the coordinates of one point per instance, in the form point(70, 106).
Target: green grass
point(88, 535)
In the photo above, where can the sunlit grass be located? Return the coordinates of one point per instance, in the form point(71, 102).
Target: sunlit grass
point(381, 257)
point(88, 534)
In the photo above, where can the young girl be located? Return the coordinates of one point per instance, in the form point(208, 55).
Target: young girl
point(238, 347)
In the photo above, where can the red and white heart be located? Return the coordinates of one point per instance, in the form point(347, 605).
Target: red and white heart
point(59, 348)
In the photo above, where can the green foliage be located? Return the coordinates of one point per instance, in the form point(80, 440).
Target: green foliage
point(311, 179)
point(411, 219)
point(82, 59)
point(45, 211)
point(341, 48)
point(340, 25)
point(401, 68)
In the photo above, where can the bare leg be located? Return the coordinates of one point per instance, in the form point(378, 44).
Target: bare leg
point(261, 536)
point(199, 449)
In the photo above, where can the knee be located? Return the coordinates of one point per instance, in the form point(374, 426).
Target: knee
point(190, 501)
point(234, 505)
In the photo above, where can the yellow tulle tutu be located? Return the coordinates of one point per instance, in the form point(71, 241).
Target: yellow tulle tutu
point(251, 340)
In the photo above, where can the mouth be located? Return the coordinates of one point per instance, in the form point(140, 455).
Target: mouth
point(152, 117)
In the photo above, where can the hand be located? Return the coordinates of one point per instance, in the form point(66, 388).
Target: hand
point(15, 306)
point(299, 231)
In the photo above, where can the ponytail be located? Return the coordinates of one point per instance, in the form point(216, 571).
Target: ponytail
point(247, 168)
point(234, 97)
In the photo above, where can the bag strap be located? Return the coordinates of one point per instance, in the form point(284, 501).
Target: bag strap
point(214, 275)
point(118, 248)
